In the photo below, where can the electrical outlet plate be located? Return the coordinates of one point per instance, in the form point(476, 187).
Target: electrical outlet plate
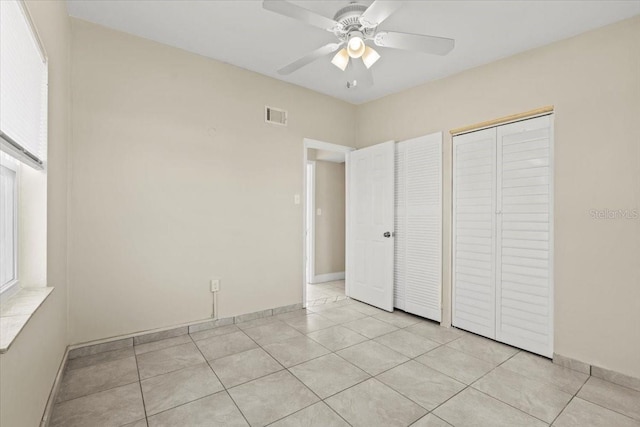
point(215, 285)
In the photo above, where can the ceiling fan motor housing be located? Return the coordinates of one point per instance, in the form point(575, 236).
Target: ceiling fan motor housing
point(349, 19)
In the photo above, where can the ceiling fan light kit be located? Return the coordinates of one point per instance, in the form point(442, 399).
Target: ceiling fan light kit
point(354, 25)
point(355, 45)
point(341, 59)
point(370, 56)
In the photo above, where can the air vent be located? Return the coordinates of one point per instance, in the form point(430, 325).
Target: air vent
point(275, 116)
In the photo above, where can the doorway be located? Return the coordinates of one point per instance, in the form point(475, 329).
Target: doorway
point(324, 222)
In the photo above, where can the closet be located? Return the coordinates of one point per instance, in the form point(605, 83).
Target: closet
point(418, 226)
point(503, 233)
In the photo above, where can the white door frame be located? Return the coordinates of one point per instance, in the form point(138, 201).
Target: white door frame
point(310, 204)
point(320, 145)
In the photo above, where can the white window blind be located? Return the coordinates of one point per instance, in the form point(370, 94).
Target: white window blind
point(23, 87)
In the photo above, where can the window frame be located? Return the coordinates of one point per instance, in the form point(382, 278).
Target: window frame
point(13, 165)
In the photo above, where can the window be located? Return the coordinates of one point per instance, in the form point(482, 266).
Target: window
point(8, 222)
point(23, 87)
point(23, 141)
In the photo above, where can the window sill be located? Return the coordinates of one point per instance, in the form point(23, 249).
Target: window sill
point(16, 311)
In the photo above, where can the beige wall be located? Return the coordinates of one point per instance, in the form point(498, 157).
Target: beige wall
point(330, 226)
point(28, 369)
point(177, 179)
point(594, 82)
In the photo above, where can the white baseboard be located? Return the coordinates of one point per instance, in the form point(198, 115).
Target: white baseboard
point(48, 410)
point(328, 277)
point(127, 340)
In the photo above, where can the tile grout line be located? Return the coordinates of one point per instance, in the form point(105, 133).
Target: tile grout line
point(609, 409)
point(499, 400)
point(266, 375)
point(213, 336)
point(163, 348)
point(95, 392)
point(422, 364)
point(207, 361)
point(185, 403)
point(306, 407)
point(177, 370)
point(256, 378)
point(351, 386)
point(469, 386)
point(335, 352)
point(68, 368)
point(144, 406)
point(510, 405)
point(563, 409)
point(402, 394)
point(370, 375)
point(308, 388)
point(224, 388)
point(299, 363)
point(315, 394)
point(574, 395)
point(343, 348)
point(173, 370)
point(259, 346)
point(294, 376)
point(597, 404)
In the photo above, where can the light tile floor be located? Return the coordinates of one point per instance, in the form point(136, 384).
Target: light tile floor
point(338, 363)
point(322, 293)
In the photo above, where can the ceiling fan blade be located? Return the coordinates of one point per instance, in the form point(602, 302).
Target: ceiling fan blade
point(358, 75)
point(416, 42)
point(309, 58)
point(379, 11)
point(296, 12)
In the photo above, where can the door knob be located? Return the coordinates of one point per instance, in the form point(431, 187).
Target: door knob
point(387, 234)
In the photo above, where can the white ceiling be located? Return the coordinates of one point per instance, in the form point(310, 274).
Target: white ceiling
point(243, 34)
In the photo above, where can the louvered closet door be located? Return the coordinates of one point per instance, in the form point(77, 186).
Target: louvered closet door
point(474, 225)
point(418, 227)
point(400, 227)
point(524, 295)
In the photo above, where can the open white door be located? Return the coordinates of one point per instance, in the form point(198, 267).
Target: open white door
point(371, 221)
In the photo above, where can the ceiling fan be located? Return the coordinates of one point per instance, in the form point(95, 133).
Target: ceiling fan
point(356, 28)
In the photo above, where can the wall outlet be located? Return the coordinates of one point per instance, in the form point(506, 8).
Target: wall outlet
point(215, 285)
